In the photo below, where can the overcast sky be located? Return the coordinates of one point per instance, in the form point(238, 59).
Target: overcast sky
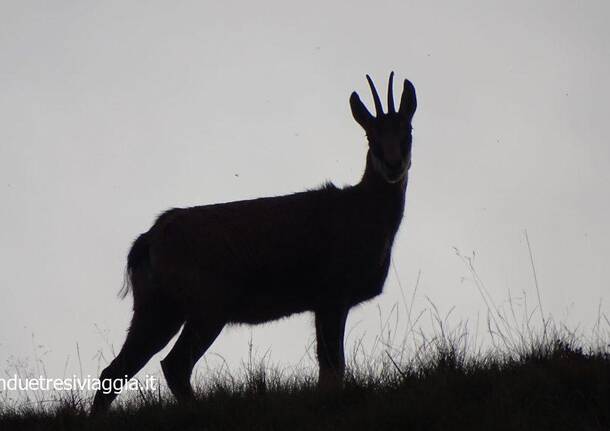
point(112, 112)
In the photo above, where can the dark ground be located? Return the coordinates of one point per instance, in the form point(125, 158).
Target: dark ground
point(553, 387)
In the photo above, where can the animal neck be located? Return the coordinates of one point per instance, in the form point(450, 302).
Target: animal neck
point(386, 200)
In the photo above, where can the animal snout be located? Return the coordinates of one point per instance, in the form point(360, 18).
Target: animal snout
point(395, 169)
point(394, 165)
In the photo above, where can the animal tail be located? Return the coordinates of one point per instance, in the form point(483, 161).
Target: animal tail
point(137, 259)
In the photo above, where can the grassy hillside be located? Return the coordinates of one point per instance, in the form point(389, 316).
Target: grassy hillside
point(553, 384)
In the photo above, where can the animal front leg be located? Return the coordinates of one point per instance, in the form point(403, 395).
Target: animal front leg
point(330, 329)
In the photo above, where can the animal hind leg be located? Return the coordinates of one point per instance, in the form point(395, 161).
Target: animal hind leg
point(151, 329)
point(196, 337)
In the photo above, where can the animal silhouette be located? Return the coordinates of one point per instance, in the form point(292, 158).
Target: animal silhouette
point(258, 260)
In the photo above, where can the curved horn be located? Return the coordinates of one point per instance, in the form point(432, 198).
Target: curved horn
point(391, 94)
point(378, 108)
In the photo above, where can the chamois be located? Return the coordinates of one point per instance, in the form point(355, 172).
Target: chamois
point(253, 261)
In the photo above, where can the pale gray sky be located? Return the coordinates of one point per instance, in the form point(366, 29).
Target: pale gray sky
point(113, 111)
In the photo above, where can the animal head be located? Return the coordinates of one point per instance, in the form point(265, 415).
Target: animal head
point(389, 135)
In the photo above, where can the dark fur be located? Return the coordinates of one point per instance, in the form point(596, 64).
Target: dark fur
point(253, 261)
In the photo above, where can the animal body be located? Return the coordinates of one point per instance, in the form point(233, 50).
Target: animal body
point(253, 261)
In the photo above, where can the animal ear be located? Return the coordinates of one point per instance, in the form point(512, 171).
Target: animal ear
point(408, 101)
point(359, 111)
